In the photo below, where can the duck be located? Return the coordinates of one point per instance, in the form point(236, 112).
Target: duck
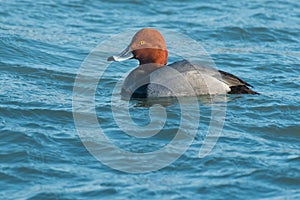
point(154, 78)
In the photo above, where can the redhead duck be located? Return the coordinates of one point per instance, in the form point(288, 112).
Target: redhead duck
point(149, 48)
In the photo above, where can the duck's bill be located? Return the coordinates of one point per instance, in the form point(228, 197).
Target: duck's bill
point(124, 55)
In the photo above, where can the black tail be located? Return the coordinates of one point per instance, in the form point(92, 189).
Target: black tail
point(241, 89)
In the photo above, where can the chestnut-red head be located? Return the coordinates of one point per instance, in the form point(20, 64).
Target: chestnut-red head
point(147, 46)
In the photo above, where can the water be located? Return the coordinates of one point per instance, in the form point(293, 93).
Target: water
point(42, 47)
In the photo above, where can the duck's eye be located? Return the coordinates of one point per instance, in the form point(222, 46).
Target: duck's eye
point(142, 42)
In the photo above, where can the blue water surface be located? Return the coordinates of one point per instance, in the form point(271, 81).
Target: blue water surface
point(42, 46)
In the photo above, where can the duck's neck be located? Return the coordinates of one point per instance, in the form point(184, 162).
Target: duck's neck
point(157, 57)
point(150, 67)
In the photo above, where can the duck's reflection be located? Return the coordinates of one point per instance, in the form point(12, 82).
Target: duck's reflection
point(206, 100)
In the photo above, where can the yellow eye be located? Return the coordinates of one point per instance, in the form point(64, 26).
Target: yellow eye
point(142, 42)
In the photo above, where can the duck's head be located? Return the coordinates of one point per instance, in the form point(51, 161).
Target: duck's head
point(147, 46)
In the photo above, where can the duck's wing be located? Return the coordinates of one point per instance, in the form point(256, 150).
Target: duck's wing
point(236, 85)
point(203, 80)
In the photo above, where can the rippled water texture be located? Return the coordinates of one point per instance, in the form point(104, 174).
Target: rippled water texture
point(42, 46)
